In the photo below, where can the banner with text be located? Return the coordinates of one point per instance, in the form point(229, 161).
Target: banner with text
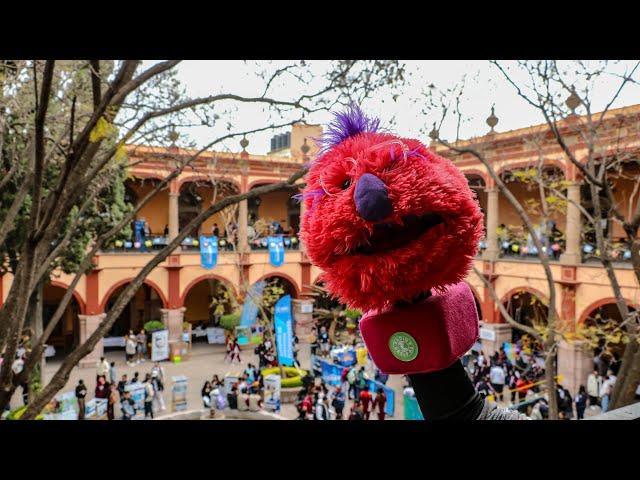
point(250, 308)
point(160, 345)
point(284, 331)
point(208, 251)
point(276, 251)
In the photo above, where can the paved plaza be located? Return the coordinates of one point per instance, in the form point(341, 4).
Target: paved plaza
point(204, 362)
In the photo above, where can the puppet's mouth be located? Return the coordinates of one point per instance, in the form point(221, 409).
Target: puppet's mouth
point(389, 236)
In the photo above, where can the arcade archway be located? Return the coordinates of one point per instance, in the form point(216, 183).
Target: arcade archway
point(66, 334)
point(529, 309)
point(143, 307)
point(602, 328)
point(207, 300)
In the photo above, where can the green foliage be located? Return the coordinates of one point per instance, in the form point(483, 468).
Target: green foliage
point(230, 322)
point(352, 314)
point(72, 80)
point(153, 325)
point(17, 413)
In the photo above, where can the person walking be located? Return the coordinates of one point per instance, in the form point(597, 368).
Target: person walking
point(497, 379)
point(148, 397)
point(81, 393)
point(158, 387)
point(321, 411)
point(127, 405)
point(102, 368)
point(605, 393)
point(351, 379)
point(141, 341)
point(366, 400)
point(121, 386)
point(338, 402)
point(102, 388)
point(380, 403)
point(130, 348)
point(113, 377)
point(111, 401)
point(581, 402)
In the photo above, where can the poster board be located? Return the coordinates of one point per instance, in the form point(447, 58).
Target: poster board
point(272, 393)
point(179, 393)
point(160, 345)
point(96, 409)
point(137, 395)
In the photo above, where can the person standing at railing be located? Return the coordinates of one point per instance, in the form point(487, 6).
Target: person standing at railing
point(581, 402)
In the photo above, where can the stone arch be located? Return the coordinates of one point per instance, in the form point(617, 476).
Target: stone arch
point(76, 295)
point(120, 283)
point(207, 276)
point(295, 293)
point(531, 311)
point(601, 303)
point(198, 297)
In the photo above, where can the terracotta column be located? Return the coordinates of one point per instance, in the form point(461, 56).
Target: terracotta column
point(492, 251)
point(575, 362)
point(174, 210)
point(302, 318)
point(573, 228)
point(172, 319)
point(88, 325)
point(493, 335)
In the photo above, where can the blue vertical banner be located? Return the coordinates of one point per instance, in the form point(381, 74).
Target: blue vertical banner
point(276, 251)
point(284, 331)
point(208, 251)
point(250, 308)
point(411, 408)
point(138, 231)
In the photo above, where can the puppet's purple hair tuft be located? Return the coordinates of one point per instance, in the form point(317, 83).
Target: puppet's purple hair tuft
point(315, 195)
point(347, 124)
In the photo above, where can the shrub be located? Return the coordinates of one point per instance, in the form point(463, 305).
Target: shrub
point(293, 376)
point(230, 321)
point(153, 325)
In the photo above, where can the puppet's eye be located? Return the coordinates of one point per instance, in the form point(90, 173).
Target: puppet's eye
point(346, 184)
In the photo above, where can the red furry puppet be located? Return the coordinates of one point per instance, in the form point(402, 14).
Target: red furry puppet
point(395, 227)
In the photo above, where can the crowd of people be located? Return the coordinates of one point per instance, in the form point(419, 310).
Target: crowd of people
point(116, 392)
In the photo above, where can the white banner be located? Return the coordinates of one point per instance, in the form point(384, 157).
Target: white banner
point(215, 336)
point(160, 345)
point(487, 334)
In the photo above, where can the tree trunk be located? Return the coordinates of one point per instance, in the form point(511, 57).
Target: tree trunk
point(36, 378)
point(550, 378)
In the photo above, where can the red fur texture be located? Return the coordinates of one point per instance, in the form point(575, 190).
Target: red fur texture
point(407, 263)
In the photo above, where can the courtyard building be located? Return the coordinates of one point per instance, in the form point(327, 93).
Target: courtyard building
point(181, 290)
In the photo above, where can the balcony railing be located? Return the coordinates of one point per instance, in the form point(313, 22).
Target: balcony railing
point(157, 242)
point(589, 252)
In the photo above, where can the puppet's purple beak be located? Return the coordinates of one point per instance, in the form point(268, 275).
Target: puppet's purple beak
point(372, 201)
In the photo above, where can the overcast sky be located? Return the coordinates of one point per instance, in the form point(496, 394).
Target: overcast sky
point(485, 86)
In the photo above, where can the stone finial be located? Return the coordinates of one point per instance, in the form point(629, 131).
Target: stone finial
point(492, 120)
point(244, 143)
